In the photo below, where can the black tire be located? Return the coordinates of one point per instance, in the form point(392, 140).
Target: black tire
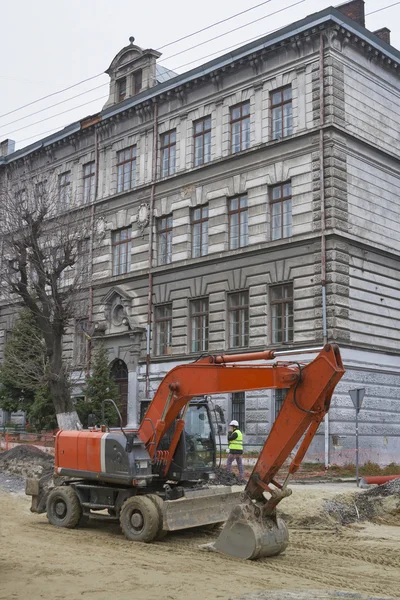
point(63, 507)
point(139, 519)
point(160, 535)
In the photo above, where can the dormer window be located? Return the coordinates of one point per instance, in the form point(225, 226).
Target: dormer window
point(121, 89)
point(137, 82)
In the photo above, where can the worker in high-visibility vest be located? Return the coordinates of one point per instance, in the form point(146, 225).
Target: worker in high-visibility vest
point(235, 444)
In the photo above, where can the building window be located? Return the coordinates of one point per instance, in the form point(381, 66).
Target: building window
point(238, 309)
point(163, 323)
point(238, 223)
point(64, 188)
point(40, 190)
point(168, 153)
point(126, 169)
point(137, 82)
point(281, 107)
point(121, 89)
point(164, 240)
point(199, 325)
point(144, 405)
point(122, 244)
point(240, 127)
point(282, 313)
point(81, 341)
point(202, 141)
point(83, 260)
point(239, 409)
point(200, 231)
point(281, 211)
point(279, 396)
point(88, 182)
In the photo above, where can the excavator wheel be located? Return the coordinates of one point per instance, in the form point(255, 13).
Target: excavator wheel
point(63, 507)
point(160, 535)
point(139, 519)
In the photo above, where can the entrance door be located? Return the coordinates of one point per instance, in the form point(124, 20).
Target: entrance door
point(119, 371)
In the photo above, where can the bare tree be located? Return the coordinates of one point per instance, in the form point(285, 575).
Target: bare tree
point(44, 239)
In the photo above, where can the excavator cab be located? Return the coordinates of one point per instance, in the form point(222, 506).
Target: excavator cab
point(195, 454)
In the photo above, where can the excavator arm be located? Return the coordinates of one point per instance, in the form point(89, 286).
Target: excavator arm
point(310, 388)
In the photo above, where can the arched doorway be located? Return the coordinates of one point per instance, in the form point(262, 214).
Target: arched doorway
point(119, 371)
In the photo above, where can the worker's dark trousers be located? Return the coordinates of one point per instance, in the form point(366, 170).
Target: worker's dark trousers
point(238, 458)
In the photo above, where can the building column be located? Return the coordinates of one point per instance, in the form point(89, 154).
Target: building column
point(133, 407)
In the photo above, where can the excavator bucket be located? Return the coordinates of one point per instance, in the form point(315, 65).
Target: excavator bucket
point(250, 534)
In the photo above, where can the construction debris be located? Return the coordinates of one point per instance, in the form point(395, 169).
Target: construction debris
point(223, 477)
point(380, 504)
point(26, 461)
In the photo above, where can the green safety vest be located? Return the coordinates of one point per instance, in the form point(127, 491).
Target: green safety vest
point(238, 443)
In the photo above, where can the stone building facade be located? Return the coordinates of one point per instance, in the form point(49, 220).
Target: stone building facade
point(256, 197)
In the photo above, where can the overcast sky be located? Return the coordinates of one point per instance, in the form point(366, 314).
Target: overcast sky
point(48, 45)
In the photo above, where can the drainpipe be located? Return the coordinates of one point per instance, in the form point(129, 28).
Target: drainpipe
point(323, 221)
point(151, 227)
point(91, 242)
point(322, 185)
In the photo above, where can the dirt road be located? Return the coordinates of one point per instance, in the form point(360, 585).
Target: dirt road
point(38, 561)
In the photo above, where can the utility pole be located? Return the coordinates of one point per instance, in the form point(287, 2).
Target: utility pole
point(357, 396)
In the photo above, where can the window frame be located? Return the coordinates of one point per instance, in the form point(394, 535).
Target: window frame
point(116, 244)
point(158, 350)
point(88, 189)
point(281, 201)
point(167, 230)
point(240, 119)
point(137, 77)
point(131, 160)
point(203, 315)
point(239, 415)
point(64, 188)
point(80, 342)
point(242, 310)
point(238, 211)
point(281, 104)
point(281, 302)
point(121, 95)
point(201, 134)
point(200, 222)
point(167, 147)
point(278, 402)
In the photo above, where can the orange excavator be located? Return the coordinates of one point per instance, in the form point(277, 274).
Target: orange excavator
point(149, 478)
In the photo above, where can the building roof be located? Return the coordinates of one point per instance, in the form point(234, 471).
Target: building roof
point(168, 80)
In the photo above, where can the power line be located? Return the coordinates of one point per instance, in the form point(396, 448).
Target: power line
point(213, 25)
point(53, 105)
point(178, 67)
point(50, 95)
point(56, 115)
point(164, 46)
point(383, 8)
point(95, 76)
point(236, 29)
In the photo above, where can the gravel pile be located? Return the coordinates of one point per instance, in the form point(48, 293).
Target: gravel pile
point(381, 504)
point(222, 477)
point(26, 461)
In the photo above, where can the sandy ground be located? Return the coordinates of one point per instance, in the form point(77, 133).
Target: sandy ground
point(39, 561)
